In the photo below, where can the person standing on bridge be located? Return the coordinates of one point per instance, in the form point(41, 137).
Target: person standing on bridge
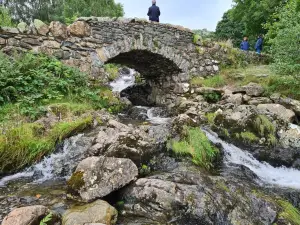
point(154, 12)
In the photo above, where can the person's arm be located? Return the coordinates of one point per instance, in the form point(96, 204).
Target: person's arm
point(149, 12)
point(241, 45)
point(158, 11)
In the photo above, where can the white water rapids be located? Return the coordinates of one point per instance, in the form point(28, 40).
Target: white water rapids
point(59, 165)
point(282, 177)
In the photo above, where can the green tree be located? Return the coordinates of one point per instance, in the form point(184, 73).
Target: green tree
point(62, 10)
point(284, 37)
point(254, 14)
point(5, 18)
point(228, 28)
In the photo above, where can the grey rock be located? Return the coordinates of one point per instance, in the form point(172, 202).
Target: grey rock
point(259, 100)
point(277, 110)
point(190, 197)
point(252, 89)
point(98, 212)
point(26, 215)
point(58, 30)
point(103, 175)
point(9, 30)
point(23, 27)
point(41, 27)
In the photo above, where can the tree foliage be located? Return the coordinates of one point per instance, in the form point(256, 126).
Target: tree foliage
point(62, 10)
point(228, 28)
point(284, 37)
point(5, 18)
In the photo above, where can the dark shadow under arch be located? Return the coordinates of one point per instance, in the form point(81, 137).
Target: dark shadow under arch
point(150, 65)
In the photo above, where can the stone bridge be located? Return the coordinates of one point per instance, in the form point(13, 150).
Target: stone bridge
point(165, 55)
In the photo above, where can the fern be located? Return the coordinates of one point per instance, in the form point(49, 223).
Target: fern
point(47, 219)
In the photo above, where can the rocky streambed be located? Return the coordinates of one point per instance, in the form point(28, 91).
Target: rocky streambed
point(122, 172)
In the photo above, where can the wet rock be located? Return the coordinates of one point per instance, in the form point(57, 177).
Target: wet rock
point(277, 110)
point(252, 89)
point(124, 70)
point(98, 212)
point(80, 29)
point(138, 94)
point(41, 27)
point(186, 196)
point(26, 215)
point(96, 177)
point(138, 113)
point(58, 30)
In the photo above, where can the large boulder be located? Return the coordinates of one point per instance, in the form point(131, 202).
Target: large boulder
point(98, 212)
point(58, 30)
point(96, 177)
point(80, 29)
point(184, 195)
point(41, 27)
point(122, 141)
point(277, 110)
point(30, 215)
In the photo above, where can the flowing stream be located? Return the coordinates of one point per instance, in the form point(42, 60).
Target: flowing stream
point(282, 177)
point(60, 165)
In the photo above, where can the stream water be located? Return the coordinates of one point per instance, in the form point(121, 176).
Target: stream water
point(48, 177)
point(267, 174)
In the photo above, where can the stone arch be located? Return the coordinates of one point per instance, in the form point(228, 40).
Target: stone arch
point(164, 71)
point(143, 46)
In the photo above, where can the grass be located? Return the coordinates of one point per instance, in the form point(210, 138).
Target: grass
point(287, 86)
point(196, 145)
point(289, 212)
point(112, 70)
point(248, 137)
point(264, 126)
point(215, 81)
point(211, 118)
point(23, 145)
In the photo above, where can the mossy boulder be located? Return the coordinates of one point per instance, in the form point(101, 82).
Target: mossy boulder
point(41, 27)
point(96, 212)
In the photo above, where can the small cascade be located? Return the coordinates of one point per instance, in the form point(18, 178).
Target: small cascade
point(280, 177)
point(58, 165)
point(123, 81)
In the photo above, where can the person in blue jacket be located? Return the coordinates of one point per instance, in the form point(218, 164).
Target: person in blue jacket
point(245, 46)
point(154, 12)
point(259, 44)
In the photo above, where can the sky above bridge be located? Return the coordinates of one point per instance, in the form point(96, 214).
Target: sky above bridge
point(194, 14)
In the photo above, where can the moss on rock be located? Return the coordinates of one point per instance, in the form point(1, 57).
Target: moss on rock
point(75, 183)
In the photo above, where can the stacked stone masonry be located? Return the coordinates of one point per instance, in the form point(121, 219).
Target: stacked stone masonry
point(164, 54)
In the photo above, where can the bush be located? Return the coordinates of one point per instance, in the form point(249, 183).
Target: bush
point(196, 145)
point(5, 18)
point(33, 81)
point(284, 37)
